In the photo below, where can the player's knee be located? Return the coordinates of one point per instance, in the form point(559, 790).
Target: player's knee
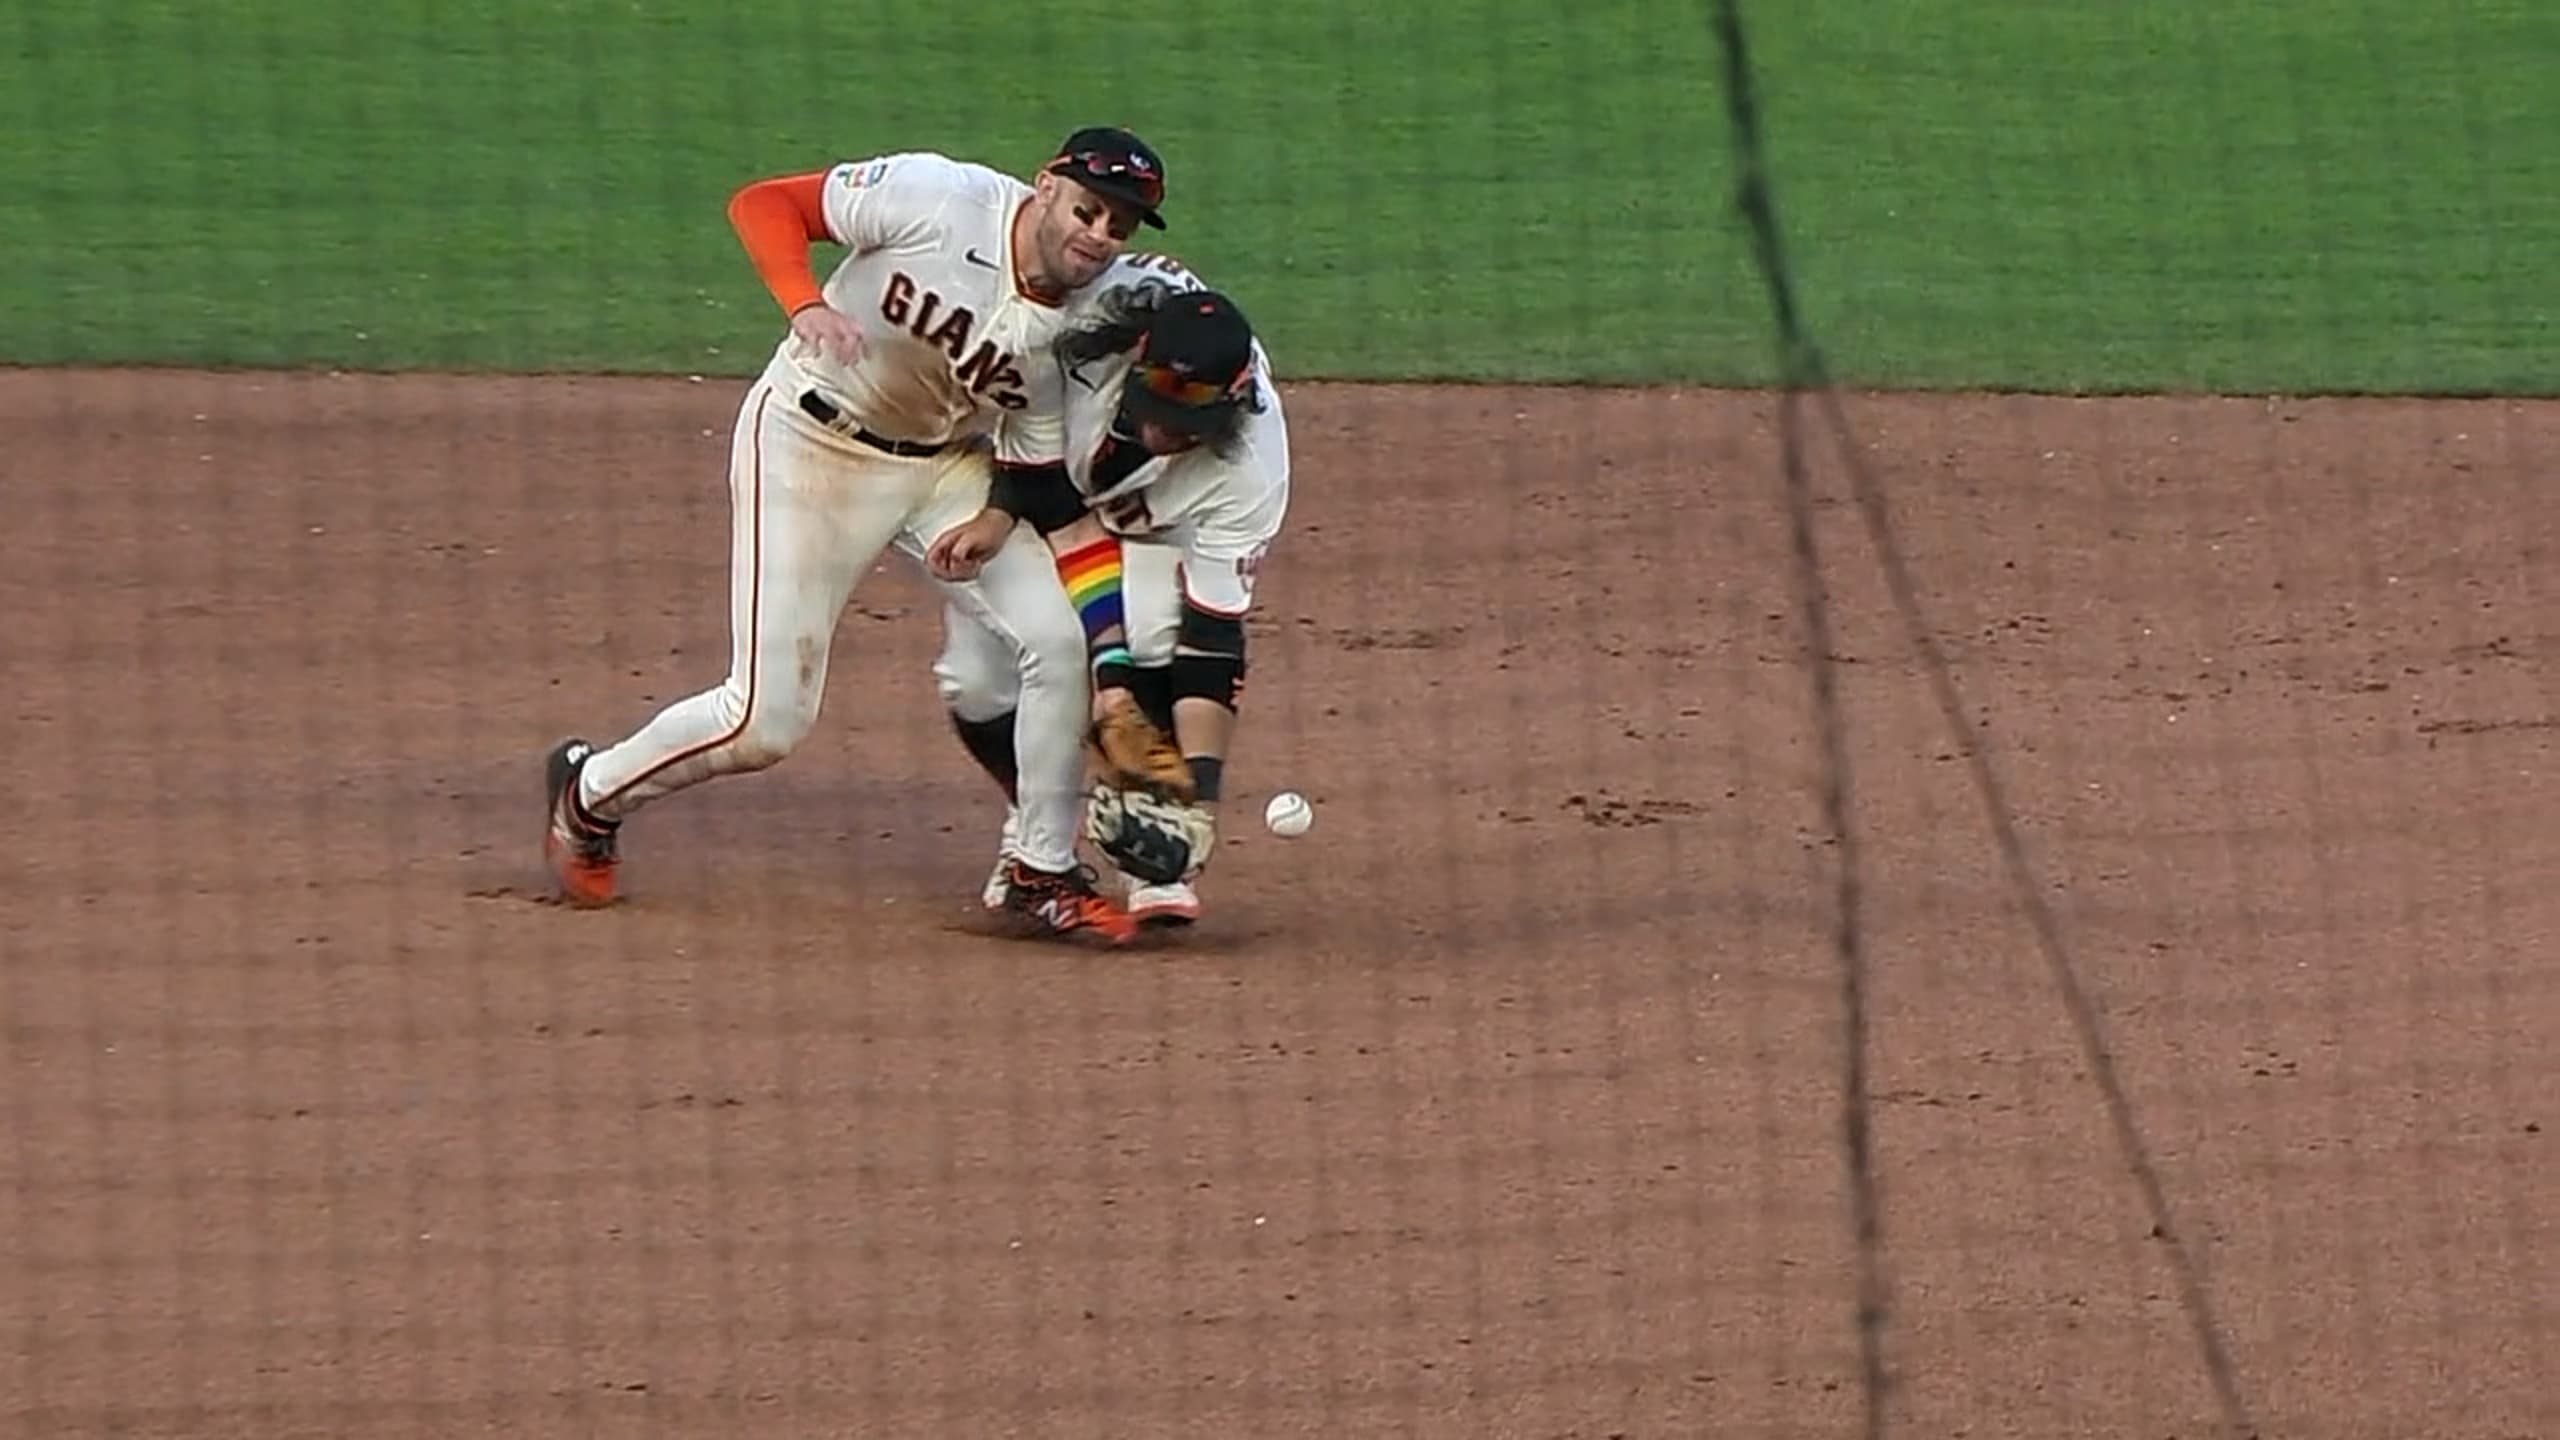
point(765, 742)
point(1051, 643)
point(772, 729)
point(976, 683)
point(973, 697)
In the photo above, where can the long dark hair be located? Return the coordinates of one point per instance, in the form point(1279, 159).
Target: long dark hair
point(1128, 309)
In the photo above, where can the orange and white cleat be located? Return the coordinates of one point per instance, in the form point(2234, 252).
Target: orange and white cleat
point(1164, 907)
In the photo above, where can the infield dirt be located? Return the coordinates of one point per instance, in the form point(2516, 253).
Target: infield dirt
point(1507, 1103)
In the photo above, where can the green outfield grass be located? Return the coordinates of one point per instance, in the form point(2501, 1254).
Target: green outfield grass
point(2335, 194)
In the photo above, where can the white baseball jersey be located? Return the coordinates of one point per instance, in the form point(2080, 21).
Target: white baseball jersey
point(1221, 510)
point(951, 344)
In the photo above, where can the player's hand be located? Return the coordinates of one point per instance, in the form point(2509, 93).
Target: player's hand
point(828, 331)
point(964, 548)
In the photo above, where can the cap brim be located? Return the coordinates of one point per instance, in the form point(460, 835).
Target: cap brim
point(1141, 403)
point(1125, 195)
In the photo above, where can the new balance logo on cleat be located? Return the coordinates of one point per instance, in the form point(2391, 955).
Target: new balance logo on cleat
point(1064, 902)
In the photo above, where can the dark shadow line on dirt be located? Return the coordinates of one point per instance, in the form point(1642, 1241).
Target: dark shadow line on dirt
point(1796, 364)
point(1802, 370)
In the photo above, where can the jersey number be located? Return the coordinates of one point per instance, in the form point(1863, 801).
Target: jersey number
point(1128, 514)
point(1164, 265)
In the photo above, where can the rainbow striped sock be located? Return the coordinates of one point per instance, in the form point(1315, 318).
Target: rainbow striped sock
point(1092, 575)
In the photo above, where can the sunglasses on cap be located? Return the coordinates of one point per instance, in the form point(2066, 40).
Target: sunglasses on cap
point(1103, 165)
point(1167, 382)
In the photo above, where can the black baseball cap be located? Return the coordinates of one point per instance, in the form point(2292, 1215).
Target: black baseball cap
point(1194, 365)
point(1111, 161)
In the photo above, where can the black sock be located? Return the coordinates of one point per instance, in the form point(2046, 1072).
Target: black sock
point(990, 743)
point(1206, 772)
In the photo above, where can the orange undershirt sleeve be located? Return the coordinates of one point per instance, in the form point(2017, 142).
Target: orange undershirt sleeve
point(776, 220)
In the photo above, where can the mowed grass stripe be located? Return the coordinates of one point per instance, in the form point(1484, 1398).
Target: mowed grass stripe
point(2181, 195)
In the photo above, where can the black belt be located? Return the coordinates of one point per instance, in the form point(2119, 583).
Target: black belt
point(824, 411)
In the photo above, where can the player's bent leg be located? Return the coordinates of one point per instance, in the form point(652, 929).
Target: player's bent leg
point(1021, 606)
point(979, 682)
point(980, 686)
point(810, 519)
point(1022, 609)
point(1151, 589)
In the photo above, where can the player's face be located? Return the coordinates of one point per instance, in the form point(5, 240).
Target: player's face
point(1082, 232)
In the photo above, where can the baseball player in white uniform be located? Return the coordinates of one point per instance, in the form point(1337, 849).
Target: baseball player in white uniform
point(928, 347)
point(1175, 485)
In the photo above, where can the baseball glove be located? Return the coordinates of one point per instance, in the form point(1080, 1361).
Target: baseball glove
point(1134, 755)
point(1150, 839)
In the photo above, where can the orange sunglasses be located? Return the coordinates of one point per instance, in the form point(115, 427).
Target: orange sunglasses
point(1180, 388)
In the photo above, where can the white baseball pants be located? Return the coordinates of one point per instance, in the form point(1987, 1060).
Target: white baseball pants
point(976, 673)
point(812, 512)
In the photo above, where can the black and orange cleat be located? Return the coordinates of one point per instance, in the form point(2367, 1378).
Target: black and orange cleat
point(1065, 902)
point(582, 850)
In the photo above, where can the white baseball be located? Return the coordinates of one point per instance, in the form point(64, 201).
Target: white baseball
point(1288, 814)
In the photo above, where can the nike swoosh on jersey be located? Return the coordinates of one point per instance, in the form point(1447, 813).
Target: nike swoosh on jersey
point(973, 257)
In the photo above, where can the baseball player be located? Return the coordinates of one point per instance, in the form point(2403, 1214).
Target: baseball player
point(1175, 485)
point(904, 376)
